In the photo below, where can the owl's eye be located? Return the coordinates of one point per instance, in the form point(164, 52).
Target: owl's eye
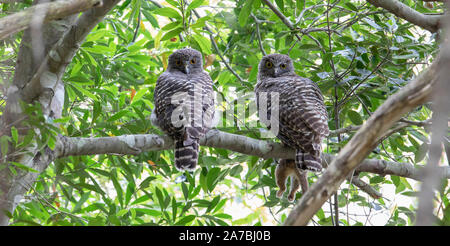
point(178, 62)
point(269, 64)
point(283, 66)
point(193, 61)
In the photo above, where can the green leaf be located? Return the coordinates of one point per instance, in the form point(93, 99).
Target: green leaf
point(23, 167)
point(80, 202)
point(14, 134)
point(420, 154)
point(211, 179)
point(122, 212)
point(51, 142)
point(160, 197)
point(203, 179)
point(245, 12)
point(150, 19)
point(140, 200)
point(172, 34)
point(84, 92)
point(144, 184)
point(150, 212)
point(405, 57)
point(140, 93)
point(204, 43)
point(351, 6)
point(280, 4)
point(376, 179)
point(195, 4)
point(300, 5)
point(309, 47)
point(355, 117)
point(117, 186)
point(174, 209)
point(129, 192)
point(96, 110)
point(171, 25)
point(200, 23)
point(213, 204)
point(185, 190)
point(118, 115)
point(168, 12)
point(173, 3)
point(395, 180)
point(185, 220)
point(4, 142)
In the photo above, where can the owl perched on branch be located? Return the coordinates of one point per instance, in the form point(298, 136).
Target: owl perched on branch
point(301, 120)
point(184, 105)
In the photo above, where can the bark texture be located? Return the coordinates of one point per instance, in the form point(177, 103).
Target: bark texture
point(45, 52)
point(428, 22)
point(50, 11)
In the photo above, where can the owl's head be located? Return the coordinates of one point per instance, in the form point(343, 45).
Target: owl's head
point(275, 65)
point(187, 60)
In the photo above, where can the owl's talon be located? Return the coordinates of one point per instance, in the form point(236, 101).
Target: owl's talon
point(280, 193)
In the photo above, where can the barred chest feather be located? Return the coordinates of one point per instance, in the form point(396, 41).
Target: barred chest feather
point(173, 89)
point(302, 113)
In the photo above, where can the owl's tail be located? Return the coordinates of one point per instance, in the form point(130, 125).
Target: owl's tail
point(308, 161)
point(186, 154)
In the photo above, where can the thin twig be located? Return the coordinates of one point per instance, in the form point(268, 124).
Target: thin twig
point(348, 95)
point(258, 34)
point(216, 48)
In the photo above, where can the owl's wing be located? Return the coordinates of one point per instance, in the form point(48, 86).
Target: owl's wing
point(208, 96)
point(301, 105)
point(166, 86)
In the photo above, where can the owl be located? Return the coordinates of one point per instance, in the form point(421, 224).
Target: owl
point(184, 105)
point(302, 116)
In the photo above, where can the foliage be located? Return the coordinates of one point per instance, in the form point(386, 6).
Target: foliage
point(109, 85)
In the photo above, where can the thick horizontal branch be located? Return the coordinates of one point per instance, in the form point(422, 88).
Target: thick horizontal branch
point(135, 144)
point(428, 22)
point(54, 10)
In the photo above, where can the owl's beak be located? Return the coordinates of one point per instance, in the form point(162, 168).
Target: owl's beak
point(276, 71)
point(186, 68)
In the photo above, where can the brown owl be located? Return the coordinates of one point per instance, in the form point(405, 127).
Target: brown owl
point(184, 105)
point(302, 116)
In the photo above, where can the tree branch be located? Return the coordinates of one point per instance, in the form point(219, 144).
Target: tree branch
point(258, 35)
point(283, 18)
point(62, 53)
point(172, 19)
point(46, 79)
point(365, 187)
point(356, 150)
point(135, 144)
point(53, 10)
point(430, 23)
point(216, 48)
point(439, 129)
